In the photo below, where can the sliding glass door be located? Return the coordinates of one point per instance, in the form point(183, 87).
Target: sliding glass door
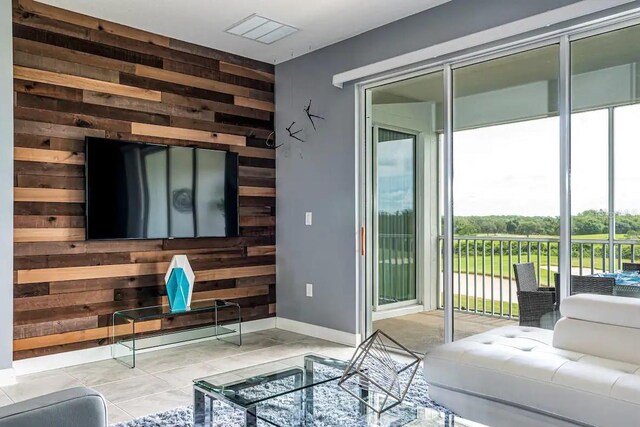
point(500, 182)
point(505, 188)
point(403, 123)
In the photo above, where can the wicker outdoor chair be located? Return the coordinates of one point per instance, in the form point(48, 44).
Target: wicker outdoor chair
point(592, 285)
point(533, 301)
point(589, 284)
point(630, 266)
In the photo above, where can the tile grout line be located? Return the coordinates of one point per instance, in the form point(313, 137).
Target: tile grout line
point(147, 395)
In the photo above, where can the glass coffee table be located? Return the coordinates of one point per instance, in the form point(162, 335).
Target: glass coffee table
point(304, 391)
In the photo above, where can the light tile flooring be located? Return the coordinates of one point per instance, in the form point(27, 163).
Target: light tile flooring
point(423, 331)
point(162, 379)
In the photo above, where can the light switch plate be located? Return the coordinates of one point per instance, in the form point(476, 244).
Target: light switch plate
point(309, 289)
point(308, 218)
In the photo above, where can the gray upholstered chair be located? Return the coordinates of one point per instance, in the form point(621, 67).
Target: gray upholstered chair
point(533, 301)
point(631, 266)
point(75, 407)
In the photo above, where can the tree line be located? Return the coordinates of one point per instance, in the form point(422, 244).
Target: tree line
point(583, 223)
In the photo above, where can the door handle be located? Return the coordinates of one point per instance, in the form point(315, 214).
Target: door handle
point(362, 241)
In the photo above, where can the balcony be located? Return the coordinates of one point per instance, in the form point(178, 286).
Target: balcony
point(484, 287)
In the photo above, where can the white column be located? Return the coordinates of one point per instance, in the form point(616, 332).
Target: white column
point(6, 194)
point(565, 168)
point(447, 282)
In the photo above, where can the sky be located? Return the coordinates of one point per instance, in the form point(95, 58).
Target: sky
point(513, 169)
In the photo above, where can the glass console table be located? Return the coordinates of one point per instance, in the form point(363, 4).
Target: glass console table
point(141, 328)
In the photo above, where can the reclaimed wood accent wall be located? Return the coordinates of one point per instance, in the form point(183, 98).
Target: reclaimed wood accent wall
point(78, 76)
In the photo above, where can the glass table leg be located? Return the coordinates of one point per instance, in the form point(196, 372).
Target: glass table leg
point(308, 401)
point(123, 344)
point(199, 411)
point(250, 418)
point(363, 385)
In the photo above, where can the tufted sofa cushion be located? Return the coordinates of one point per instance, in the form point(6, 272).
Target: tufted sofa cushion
point(519, 366)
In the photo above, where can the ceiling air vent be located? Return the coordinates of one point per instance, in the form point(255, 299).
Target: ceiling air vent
point(261, 29)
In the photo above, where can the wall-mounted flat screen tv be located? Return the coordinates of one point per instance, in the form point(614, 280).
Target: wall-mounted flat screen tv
point(148, 191)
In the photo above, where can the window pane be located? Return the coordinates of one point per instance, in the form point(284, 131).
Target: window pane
point(505, 193)
point(627, 174)
point(604, 150)
point(604, 69)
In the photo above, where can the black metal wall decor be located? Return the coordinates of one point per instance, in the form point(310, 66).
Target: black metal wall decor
point(293, 134)
point(310, 115)
point(271, 141)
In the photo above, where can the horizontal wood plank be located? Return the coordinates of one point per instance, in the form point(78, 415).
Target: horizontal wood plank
point(54, 327)
point(239, 272)
point(23, 235)
point(84, 83)
point(247, 72)
point(89, 272)
point(54, 131)
point(84, 335)
point(186, 134)
point(50, 301)
point(257, 221)
point(258, 191)
point(189, 80)
point(48, 195)
point(48, 156)
point(261, 250)
point(48, 221)
point(255, 103)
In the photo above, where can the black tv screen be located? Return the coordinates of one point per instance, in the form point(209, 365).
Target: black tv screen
point(148, 191)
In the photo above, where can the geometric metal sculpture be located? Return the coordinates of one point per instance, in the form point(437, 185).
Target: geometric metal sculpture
point(179, 281)
point(373, 369)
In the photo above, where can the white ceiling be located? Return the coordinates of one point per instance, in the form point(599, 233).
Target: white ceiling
point(321, 22)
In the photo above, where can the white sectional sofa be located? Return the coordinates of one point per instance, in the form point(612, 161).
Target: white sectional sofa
point(586, 372)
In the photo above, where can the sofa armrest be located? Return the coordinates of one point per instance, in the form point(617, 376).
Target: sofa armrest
point(75, 407)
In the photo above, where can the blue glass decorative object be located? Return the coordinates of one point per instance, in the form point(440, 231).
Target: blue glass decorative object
point(179, 281)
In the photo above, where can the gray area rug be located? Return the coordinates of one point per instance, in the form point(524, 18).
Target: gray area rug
point(330, 411)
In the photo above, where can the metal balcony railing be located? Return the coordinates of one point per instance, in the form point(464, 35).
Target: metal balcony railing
point(484, 282)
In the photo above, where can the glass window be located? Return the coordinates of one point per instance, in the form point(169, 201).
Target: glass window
point(505, 192)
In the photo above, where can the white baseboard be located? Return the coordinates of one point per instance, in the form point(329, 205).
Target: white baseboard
point(396, 312)
point(7, 376)
point(79, 357)
point(321, 332)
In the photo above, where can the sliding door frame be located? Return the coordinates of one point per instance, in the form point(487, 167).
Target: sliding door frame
point(562, 37)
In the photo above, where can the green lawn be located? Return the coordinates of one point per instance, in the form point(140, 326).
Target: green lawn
point(546, 276)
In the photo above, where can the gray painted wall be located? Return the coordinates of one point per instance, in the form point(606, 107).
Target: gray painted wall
point(6, 187)
point(323, 180)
